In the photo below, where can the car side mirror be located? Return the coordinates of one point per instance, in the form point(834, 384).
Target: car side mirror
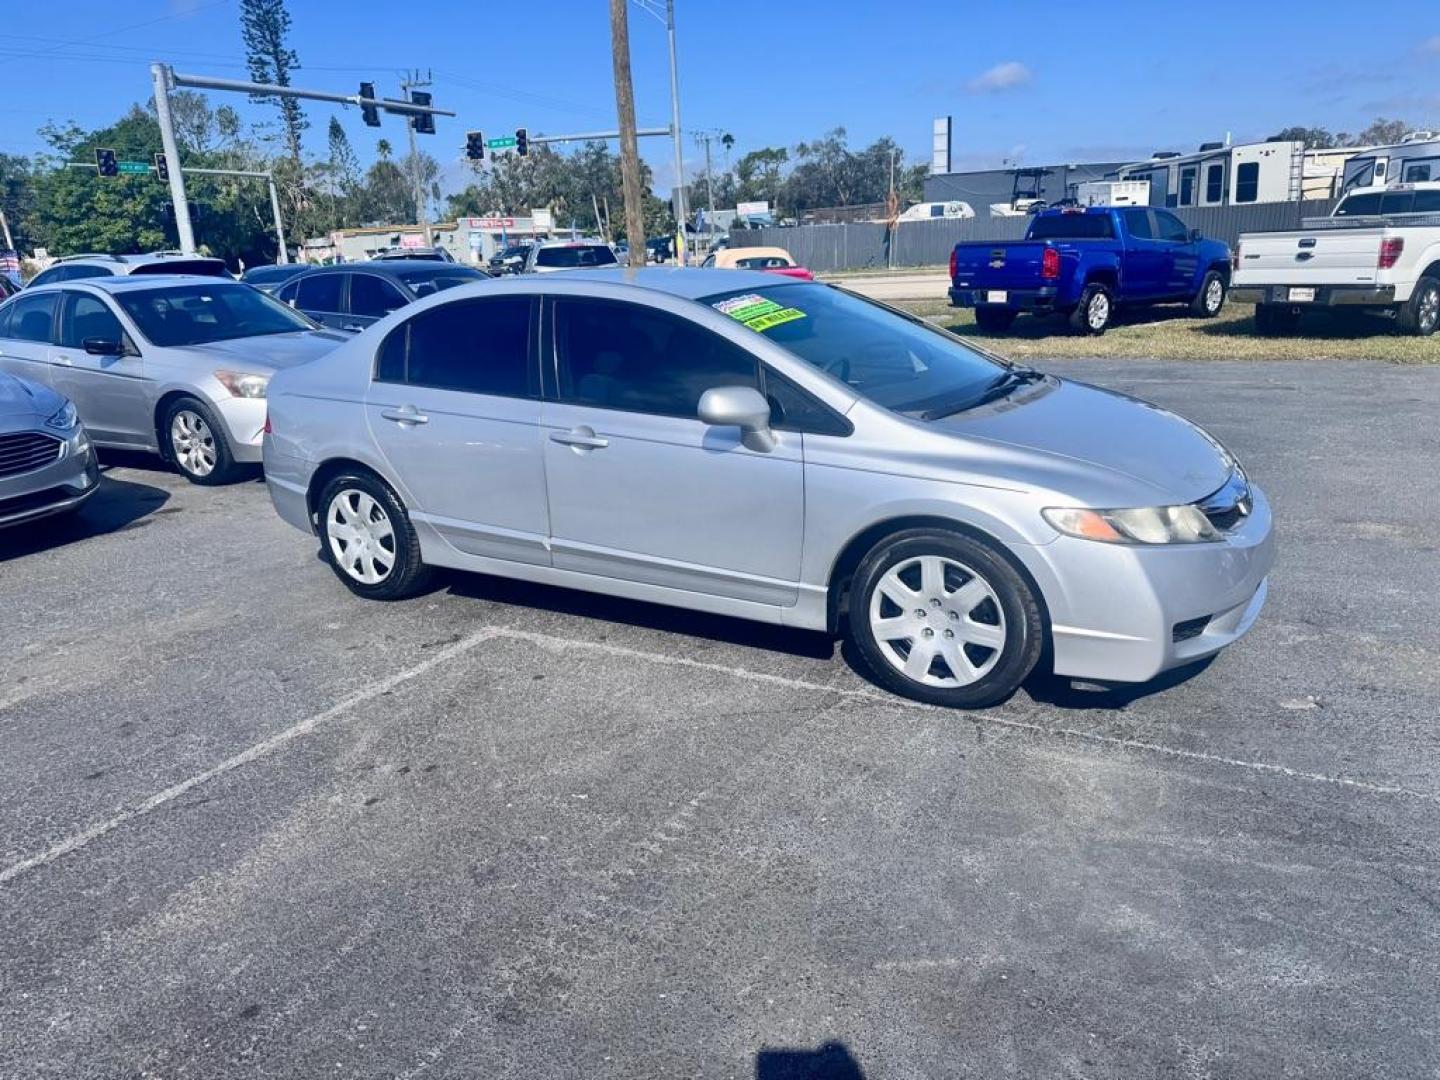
point(1196, 236)
point(103, 346)
point(743, 407)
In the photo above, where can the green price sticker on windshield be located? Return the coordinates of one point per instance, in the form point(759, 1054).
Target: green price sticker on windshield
point(756, 312)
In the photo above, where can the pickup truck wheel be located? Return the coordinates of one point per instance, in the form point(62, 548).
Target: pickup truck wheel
point(1421, 315)
point(994, 319)
point(1272, 320)
point(1092, 315)
point(1211, 297)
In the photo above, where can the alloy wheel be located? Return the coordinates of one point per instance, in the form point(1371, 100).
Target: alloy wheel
point(1214, 296)
point(937, 621)
point(361, 536)
point(1097, 314)
point(193, 443)
point(1429, 314)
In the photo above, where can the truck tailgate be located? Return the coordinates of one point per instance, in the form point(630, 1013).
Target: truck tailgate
point(1009, 264)
point(1323, 257)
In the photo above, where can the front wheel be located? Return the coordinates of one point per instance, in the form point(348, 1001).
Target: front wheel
point(1095, 311)
point(367, 538)
point(195, 441)
point(945, 619)
point(1211, 297)
point(1421, 314)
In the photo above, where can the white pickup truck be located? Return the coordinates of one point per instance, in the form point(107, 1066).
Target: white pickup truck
point(1378, 251)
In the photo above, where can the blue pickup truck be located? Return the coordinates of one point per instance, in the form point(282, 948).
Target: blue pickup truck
point(1083, 262)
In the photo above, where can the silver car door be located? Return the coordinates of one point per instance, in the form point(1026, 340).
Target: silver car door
point(454, 407)
point(26, 334)
point(110, 390)
point(639, 487)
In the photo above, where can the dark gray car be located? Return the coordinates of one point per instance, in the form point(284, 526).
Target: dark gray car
point(47, 465)
point(354, 295)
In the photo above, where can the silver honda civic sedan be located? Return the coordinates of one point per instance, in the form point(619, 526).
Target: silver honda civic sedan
point(170, 364)
point(782, 451)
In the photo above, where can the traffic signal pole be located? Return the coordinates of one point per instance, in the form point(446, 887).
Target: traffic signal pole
point(163, 78)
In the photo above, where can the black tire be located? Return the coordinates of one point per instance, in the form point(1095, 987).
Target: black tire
point(995, 320)
point(1274, 320)
point(1206, 303)
point(1018, 610)
point(1420, 314)
point(1095, 311)
point(407, 575)
point(192, 454)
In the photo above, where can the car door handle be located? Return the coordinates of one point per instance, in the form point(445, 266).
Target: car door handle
point(65, 360)
point(582, 438)
point(354, 328)
point(406, 414)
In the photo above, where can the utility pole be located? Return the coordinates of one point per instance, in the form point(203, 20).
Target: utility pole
point(625, 107)
point(413, 81)
point(5, 225)
point(163, 79)
point(705, 137)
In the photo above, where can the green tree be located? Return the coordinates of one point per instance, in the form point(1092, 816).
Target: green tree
point(1382, 132)
point(760, 175)
point(265, 29)
point(1314, 138)
point(17, 195)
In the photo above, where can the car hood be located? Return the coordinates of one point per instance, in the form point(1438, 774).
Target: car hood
point(1097, 427)
point(21, 398)
point(273, 351)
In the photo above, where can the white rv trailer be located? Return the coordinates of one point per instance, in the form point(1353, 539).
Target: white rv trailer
point(1415, 159)
point(1220, 175)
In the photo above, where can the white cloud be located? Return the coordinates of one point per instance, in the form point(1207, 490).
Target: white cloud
point(1006, 76)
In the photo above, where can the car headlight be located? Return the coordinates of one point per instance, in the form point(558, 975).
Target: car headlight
point(242, 385)
point(64, 417)
point(1148, 525)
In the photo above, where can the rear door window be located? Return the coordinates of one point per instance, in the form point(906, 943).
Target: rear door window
point(32, 318)
point(319, 292)
point(473, 346)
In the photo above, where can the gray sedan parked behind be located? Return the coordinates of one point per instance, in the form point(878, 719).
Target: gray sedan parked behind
point(174, 365)
point(46, 463)
point(351, 296)
point(731, 442)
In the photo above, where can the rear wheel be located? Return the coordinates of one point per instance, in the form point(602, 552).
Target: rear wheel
point(994, 319)
point(1421, 314)
point(1272, 320)
point(1095, 311)
point(367, 538)
point(195, 441)
point(1211, 297)
point(945, 619)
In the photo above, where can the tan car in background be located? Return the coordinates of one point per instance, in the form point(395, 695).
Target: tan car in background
point(773, 260)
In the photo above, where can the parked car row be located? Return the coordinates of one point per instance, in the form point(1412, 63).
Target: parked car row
point(730, 441)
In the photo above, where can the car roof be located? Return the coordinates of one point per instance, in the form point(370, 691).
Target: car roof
point(131, 282)
point(144, 258)
point(393, 267)
point(584, 241)
point(689, 283)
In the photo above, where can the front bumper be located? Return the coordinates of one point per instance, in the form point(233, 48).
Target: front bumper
point(1325, 295)
point(54, 489)
point(244, 420)
point(1126, 613)
point(1041, 299)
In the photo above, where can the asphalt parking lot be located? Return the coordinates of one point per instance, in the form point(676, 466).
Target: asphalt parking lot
point(253, 826)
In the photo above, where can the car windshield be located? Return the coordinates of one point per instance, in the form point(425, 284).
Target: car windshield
point(199, 314)
point(580, 255)
point(424, 282)
point(1072, 227)
point(898, 362)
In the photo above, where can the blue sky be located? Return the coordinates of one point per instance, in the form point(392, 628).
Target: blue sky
point(1021, 83)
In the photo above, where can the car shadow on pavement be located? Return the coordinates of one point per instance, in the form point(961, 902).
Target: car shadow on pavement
point(116, 505)
point(141, 461)
point(1047, 688)
point(639, 613)
point(831, 1061)
point(1038, 327)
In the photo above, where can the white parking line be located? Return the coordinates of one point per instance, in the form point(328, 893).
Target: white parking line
point(78, 840)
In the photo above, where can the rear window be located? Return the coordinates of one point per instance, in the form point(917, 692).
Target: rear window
point(572, 257)
point(1389, 202)
point(203, 267)
point(444, 276)
point(1072, 227)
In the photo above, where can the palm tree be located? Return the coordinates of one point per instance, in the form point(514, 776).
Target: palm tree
point(383, 149)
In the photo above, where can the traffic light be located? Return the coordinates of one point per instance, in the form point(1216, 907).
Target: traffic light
point(106, 163)
point(162, 170)
point(369, 113)
point(475, 145)
point(424, 123)
point(522, 141)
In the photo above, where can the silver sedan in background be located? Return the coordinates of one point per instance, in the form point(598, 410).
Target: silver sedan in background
point(173, 365)
point(730, 442)
point(47, 465)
